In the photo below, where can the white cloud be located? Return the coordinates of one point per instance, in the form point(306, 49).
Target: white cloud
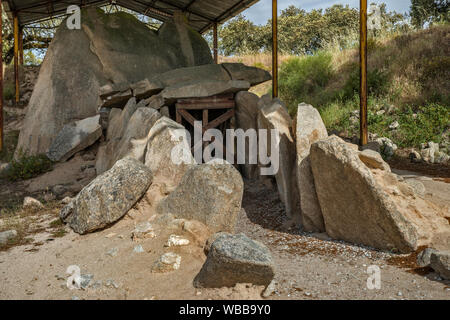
point(262, 11)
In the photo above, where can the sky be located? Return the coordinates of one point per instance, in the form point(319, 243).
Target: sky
point(262, 11)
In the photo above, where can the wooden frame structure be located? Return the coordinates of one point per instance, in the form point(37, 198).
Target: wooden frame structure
point(223, 103)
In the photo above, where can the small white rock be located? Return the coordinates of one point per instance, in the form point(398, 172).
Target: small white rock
point(30, 202)
point(177, 241)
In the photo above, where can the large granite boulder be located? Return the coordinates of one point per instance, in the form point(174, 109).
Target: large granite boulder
point(109, 49)
point(210, 193)
point(371, 206)
point(168, 152)
point(234, 259)
point(131, 142)
point(274, 116)
point(75, 137)
point(309, 129)
point(109, 197)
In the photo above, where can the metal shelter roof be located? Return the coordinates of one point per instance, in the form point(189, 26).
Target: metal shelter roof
point(202, 14)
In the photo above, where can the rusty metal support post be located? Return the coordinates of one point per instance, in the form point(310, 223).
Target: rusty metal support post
point(216, 44)
point(1, 78)
point(275, 48)
point(364, 135)
point(21, 46)
point(16, 56)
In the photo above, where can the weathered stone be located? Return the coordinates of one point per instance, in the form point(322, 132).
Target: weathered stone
point(165, 112)
point(134, 140)
point(146, 88)
point(109, 197)
point(440, 262)
point(201, 89)
point(6, 236)
point(156, 102)
point(387, 147)
point(29, 202)
point(274, 116)
point(358, 214)
point(373, 160)
point(192, 74)
point(236, 259)
point(309, 129)
point(110, 49)
point(424, 258)
point(246, 113)
point(417, 186)
point(75, 137)
point(210, 193)
point(371, 207)
point(167, 262)
point(142, 231)
point(165, 152)
point(239, 71)
point(117, 100)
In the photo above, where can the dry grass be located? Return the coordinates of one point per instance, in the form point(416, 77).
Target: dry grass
point(31, 221)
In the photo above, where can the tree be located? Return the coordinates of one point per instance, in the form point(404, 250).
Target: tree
point(429, 11)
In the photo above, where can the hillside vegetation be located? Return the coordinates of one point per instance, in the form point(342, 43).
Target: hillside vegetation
point(409, 82)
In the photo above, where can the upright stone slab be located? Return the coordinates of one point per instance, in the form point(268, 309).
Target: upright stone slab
point(274, 116)
point(309, 129)
point(168, 152)
point(370, 207)
point(246, 113)
point(75, 137)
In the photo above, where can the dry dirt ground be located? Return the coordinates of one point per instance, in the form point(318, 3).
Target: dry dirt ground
point(308, 266)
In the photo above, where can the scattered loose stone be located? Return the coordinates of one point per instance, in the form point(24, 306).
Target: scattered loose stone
point(30, 202)
point(395, 125)
point(113, 252)
point(168, 262)
point(7, 236)
point(66, 200)
point(85, 280)
point(176, 241)
point(138, 249)
point(235, 259)
point(440, 262)
point(143, 230)
point(111, 284)
point(424, 258)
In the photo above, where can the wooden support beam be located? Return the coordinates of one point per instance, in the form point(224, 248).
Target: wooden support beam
point(275, 48)
point(216, 44)
point(16, 56)
point(364, 135)
point(1, 79)
point(21, 46)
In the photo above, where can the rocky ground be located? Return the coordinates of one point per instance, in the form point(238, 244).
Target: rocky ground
point(308, 266)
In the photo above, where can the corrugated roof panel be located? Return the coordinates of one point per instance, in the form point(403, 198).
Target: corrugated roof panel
point(202, 14)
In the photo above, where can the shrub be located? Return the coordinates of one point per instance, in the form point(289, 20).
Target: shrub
point(303, 78)
point(27, 167)
point(377, 83)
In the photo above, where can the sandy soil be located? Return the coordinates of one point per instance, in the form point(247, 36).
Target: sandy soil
point(309, 266)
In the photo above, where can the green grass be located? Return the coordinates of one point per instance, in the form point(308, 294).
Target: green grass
point(408, 75)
